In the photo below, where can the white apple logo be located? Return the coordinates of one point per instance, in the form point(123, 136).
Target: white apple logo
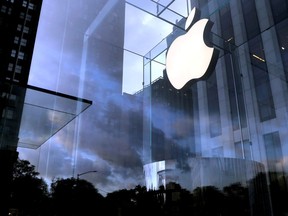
point(190, 57)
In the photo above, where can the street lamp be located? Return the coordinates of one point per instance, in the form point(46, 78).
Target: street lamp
point(79, 174)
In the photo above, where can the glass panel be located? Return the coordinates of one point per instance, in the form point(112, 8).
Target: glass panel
point(279, 9)
point(282, 32)
point(250, 18)
point(217, 146)
point(45, 113)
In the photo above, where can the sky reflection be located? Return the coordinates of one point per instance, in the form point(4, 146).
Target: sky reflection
point(103, 142)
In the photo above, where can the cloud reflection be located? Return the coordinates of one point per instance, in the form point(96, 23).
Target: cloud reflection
point(110, 137)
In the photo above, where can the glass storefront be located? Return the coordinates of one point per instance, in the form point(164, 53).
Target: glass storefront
point(223, 134)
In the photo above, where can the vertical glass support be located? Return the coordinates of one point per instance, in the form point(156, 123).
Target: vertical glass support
point(147, 121)
point(232, 60)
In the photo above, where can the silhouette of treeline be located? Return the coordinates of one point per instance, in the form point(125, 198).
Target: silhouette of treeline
point(78, 197)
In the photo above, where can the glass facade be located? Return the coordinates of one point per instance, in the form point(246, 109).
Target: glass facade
point(224, 135)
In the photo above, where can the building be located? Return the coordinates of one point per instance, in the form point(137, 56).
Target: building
point(240, 112)
point(169, 106)
point(23, 108)
point(19, 22)
point(228, 129)
point(18, 26)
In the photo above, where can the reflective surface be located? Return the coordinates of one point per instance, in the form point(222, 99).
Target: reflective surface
point(45, 113)
point(228, 129)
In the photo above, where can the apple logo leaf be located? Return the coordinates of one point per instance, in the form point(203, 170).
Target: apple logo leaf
point(191, 56)
point(193, 17)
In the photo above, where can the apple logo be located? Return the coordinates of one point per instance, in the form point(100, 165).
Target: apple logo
point(191, 56)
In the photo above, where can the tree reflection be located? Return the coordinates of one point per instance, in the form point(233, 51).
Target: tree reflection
point(78, 197)
point(208, 200)
point(237, 200)
point(75, 197)
point(29, 195)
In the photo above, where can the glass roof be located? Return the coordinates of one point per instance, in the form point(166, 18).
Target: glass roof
point(167, 10)
point(46, 112)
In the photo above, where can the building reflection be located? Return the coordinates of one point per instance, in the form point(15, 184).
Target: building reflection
point(217, 144)
point(234, 117)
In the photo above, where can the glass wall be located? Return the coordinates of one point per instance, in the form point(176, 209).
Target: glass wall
point(217, 146)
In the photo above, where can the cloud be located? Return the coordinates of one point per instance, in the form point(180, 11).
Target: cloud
point(108, 139)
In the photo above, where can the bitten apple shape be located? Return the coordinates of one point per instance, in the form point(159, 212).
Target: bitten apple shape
point(189, 57)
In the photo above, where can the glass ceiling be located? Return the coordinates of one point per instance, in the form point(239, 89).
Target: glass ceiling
point(45, 113)
point(167, 13)
point(166, 10)
point(153, 19)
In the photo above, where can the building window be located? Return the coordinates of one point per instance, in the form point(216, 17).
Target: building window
point(21, 55)
point(261, 80)
point(213, 106)
point(26, 29)
point(8, 114)
point(19, 27)
point(273, 151)
point(3, 9)
point(24, 4)
point(12, 98)
point(28, 17)
point(22, 15)
point(16, 40)
point(279, 10)
point(23, 42)
point(203, 5)
point(10, 67)
point(242, 149)
point(250, 18)
point(18, 69)
point(227, 31)
point(13, 53)
point(31, 6)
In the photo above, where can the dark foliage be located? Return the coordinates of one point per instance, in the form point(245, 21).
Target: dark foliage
point(78, 197)
point(29, 193)
point(75, 197)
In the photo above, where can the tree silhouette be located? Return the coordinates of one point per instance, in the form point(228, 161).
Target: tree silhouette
point(121, 202)
point(75, 197)
point(237, 200)
point(78, 197)
point(278, 193)
point(29, 194)
point(137, 201)
point(24, 168)
point(207, 201)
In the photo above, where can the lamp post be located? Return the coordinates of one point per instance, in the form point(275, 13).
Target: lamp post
point(79, 174)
